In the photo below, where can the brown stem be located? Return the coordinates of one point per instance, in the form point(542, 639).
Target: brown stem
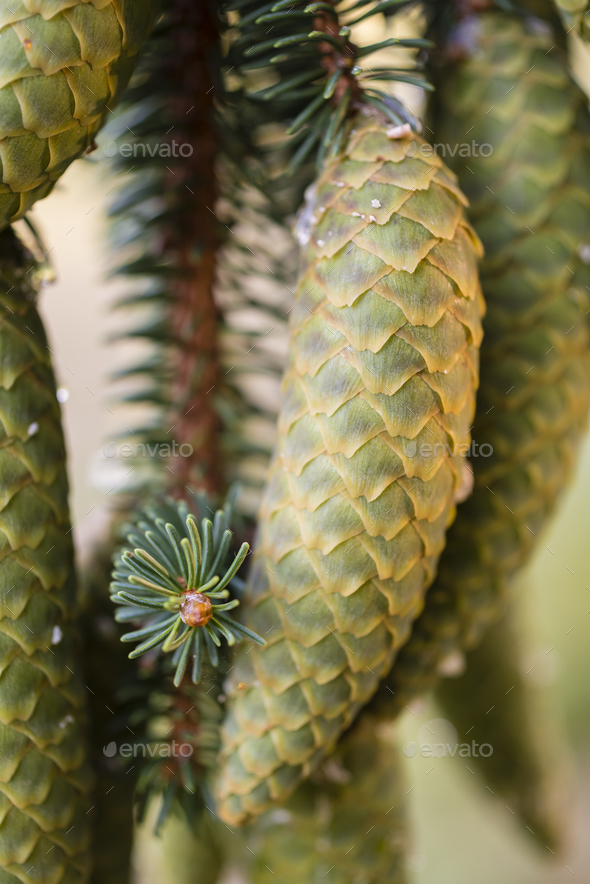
point(190, 245)
point(342, 60)
point(186, 726)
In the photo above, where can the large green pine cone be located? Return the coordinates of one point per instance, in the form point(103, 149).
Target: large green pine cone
point(530, 203)
point(44, 773)
point(382, 368)
point(495, 702)
point(347, 826)
point(63, 67)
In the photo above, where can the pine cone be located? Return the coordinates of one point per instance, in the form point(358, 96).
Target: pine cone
point(64, 66)
point(531, 206)
point(347, 826)
point(378, 397)
point(44, 774)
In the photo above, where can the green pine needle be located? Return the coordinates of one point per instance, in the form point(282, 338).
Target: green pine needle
point(169, 579)
point(289, 39)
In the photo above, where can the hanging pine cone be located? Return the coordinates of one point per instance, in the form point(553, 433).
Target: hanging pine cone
point(64, 67)
point(530, 204)
point(44, 773)
point(377, 399)
point(347, 826)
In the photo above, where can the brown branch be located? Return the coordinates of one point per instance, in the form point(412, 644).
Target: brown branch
point(190, 245)
point(333, 59)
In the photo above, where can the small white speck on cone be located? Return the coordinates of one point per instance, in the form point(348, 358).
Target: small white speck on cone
point(402, 131)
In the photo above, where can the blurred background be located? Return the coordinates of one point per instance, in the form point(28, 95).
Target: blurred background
point(461, 834)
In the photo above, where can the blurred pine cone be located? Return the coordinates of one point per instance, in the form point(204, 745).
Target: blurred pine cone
point(529, 189)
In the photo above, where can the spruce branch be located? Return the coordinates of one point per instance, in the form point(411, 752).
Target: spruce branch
point(178, 745)
point(174, 580)
point(167, 238)
point(171, 737)
point(314, 63)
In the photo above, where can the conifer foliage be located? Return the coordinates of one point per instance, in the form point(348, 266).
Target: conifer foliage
point(331, 311)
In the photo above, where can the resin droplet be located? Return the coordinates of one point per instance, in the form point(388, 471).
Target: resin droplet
point(196, 610)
